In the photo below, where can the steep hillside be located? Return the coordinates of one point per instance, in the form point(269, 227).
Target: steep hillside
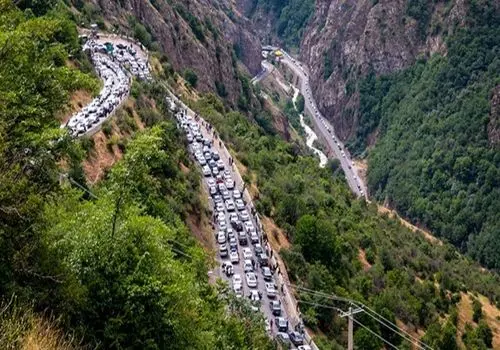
point(114, 262)
point(345, 40)
point(280, 22)
point(205, 37)
point(437, 160)
point(340, 245)
point(419, 80)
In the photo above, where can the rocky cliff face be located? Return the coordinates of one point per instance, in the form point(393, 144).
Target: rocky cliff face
point(196, 34)
point(346, 39)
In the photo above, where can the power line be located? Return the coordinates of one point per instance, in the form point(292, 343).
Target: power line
point(359, 323)
point(74, 182)
point(367, 310)
point(396, 329)
point(181, 252)
point(375, 334)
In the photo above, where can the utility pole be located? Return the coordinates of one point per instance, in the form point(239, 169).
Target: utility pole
point(350, 326)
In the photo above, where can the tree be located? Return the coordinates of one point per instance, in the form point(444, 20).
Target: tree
point(39, 7)
point(191, 77)
point(300, 103)
point(483, 332)
point(364, 340)
point(317, 240)
point(477, 310)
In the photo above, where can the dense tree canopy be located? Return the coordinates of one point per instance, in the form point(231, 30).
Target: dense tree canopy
point(433, 161)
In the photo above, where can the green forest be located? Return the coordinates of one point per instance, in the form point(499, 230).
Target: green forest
point(409, 279)
point(112, 264)
point(290, 18)
point(433, 161)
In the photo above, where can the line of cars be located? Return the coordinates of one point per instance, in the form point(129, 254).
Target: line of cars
point(116, 86)
point(244, 259)
point(111, 69)
point(128, 57)
point(330, 131)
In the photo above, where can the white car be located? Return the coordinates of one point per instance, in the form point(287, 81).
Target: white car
point(221, 237)
point(220, 164)
point(254, 237)
point(234, 257)
point(304, 347)
point(244, 216)
point(239, 204)
point(233, 217)
point(249, 226)
point(247, 265)
point(247, 253)
point(251, 280)
point(213, 190)
point(222, 225)
point(223, 250)
point(238, 290)
point(236, 194)
point(254, 295)
point(230, 184)
point(219, 207)
point(207, 172)
point(211, 182)
point(237, 279)
point(270, 290)
point(230, 205)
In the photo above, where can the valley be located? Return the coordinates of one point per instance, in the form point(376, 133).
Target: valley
point(185, 203)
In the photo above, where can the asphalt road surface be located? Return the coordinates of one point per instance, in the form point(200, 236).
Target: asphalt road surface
point(324, 127)
point(266, 69)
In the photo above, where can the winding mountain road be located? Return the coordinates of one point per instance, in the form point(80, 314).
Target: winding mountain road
point(322, 126)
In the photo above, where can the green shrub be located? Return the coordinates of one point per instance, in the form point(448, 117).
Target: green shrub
point(191, 77)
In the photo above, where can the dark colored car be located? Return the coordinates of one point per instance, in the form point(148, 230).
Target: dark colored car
point(275, 307)
point(263, 259)
point(296, 338)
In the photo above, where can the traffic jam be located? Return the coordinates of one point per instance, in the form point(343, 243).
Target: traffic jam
point(115, 66)
point(350, 164)
point(243, 253)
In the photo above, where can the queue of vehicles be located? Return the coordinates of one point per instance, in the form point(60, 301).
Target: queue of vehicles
point(114, 69)
point(244, 261)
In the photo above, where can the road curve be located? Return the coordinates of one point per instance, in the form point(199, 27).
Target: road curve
point(325, 129)
point(266, 69)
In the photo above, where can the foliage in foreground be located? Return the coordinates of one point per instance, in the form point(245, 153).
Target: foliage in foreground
point(114, 264)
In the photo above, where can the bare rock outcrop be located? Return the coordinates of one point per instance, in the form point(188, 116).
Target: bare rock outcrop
point(346, 39)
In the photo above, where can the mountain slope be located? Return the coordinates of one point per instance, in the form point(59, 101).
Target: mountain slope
point(205, 37)
point(435, 161)
point(418, 79)
point(345, 40)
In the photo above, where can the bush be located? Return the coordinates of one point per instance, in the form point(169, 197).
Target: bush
point(107, 129)
point(477, 310)
point(370, 256)
point(191, 77)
